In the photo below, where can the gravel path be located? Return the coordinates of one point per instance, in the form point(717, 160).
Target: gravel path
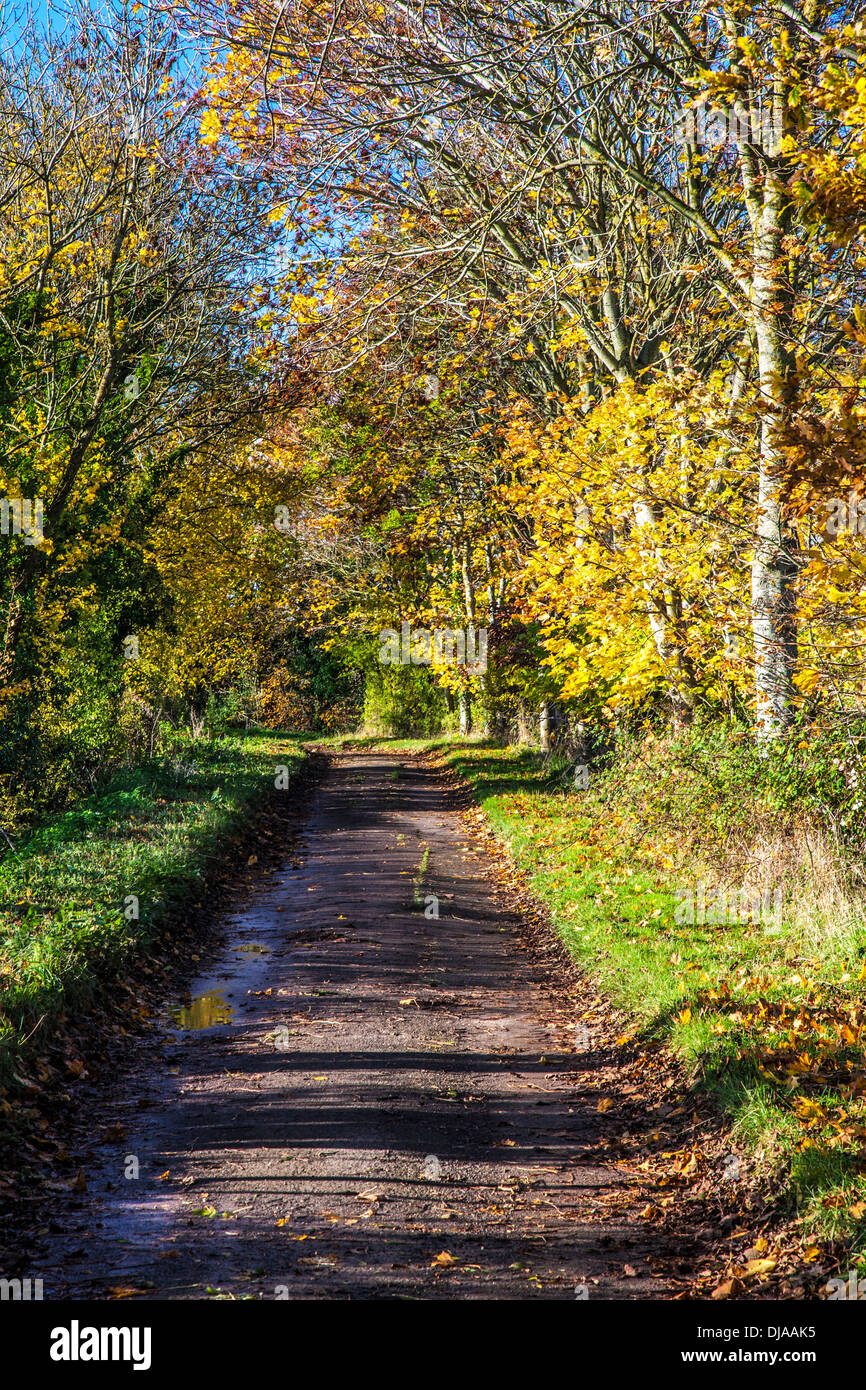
point(364, 1100)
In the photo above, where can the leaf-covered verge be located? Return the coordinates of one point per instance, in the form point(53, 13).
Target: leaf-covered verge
point(768, 1015)
point(148, 844)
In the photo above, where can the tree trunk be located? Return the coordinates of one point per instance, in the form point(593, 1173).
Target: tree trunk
point(773, 569)
point(469, 600)
point(544, 726)
point(772, 600)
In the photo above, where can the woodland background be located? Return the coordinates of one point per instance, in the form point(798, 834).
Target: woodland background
point(315, 319)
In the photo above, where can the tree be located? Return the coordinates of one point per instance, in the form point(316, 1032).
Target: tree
point(125, 247)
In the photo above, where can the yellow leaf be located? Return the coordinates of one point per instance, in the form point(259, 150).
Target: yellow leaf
point(442, 1260)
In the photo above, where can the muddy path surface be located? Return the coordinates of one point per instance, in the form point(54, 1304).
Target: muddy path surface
point(362, 1099)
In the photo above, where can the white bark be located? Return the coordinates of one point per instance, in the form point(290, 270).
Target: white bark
point(544, 726)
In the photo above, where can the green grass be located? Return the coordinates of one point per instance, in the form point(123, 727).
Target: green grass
point(382, 743)
point(759, 1017)
point(67, 921)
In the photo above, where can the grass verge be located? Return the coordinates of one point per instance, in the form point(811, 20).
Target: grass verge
point(85, 894)
point(768, 1011)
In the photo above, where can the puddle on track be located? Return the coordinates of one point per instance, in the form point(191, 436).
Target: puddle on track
point(210, 1010)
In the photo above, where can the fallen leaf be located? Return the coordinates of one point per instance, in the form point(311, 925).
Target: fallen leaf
point(730, 1289)
point(442, 1260)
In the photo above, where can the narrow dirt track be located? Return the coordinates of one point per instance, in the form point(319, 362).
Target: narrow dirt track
point(422, 1104)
